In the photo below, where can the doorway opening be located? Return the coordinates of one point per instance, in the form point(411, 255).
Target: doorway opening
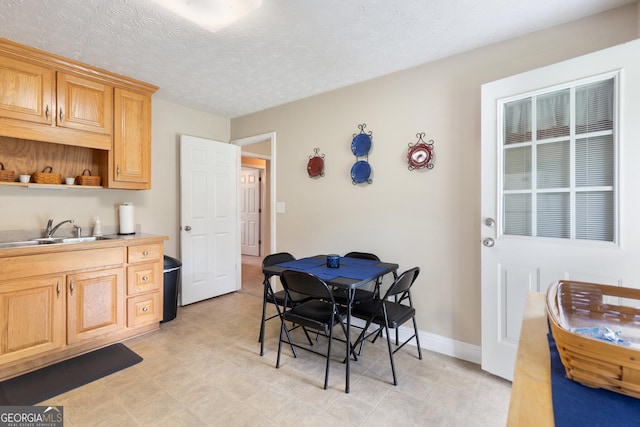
point(258, 152)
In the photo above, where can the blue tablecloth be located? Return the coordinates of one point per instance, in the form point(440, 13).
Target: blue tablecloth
point(303, 264)
point(350, 268)
point(577, 405)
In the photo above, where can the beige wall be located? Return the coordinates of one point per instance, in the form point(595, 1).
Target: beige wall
point(157, 210)
point(426, 218)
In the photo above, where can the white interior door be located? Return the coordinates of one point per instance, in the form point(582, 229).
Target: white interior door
point(515, 263)
point(250, 211)
point(209, 242)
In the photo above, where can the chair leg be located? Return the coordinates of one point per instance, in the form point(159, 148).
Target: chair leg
point(415, 328)
point(352, 348)
point(393, 367)
point(282, 328)
point(262, 323)
point(307, 334)
point(326, 372)
point(378, 335)
point(289, 340)
point(362, 338)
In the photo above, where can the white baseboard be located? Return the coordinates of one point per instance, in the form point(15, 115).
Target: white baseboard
point(443, 345)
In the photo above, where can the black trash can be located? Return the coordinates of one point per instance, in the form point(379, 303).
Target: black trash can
point(171, 286)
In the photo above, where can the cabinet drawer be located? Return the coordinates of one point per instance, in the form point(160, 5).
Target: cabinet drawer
point(144, 309)
point(143, 278)
point(142, 253)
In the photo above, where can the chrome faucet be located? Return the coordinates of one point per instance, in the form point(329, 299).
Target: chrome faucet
point(51, 230)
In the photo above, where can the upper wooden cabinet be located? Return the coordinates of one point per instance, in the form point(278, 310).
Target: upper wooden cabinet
point(130, 160)
point(84, 104)
point(43, 104)
point(26, 92)
point(47, 98)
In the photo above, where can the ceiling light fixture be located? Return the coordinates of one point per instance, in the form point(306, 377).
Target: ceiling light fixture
point(212, 15)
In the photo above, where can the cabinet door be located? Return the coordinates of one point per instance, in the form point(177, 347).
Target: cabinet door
point(31, 317)
point(26, 91)
point(84, 104)
point(131, 140)
point(95, 303)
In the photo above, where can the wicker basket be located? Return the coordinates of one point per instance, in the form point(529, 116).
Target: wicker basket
point(591, 361)
point(5, 175)
point(87, 179)
point(45, 177)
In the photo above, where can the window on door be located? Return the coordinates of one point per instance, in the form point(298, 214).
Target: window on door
point(558, 162)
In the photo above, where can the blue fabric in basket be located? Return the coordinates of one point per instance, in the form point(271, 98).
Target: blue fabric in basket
point(577, 405)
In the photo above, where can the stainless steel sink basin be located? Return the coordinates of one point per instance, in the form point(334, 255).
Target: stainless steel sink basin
point(5, 245)
point(47, 240)
point(82, 239)
point(51, 241)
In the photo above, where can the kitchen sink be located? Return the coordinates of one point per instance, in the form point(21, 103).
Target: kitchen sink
point(51, 241)
point(47, 240)
point(83, 239)
point(5, 245)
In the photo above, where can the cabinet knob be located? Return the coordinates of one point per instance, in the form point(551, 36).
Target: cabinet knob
point(145, 278)
point(58, 289)
point(61, 114)
point(71, 287)
point(145, 309)
point(145, 253)
point(46, 112)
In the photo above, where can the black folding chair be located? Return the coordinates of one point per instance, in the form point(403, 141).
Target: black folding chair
point(318, 310)
point(390, 314)
point(275, 298)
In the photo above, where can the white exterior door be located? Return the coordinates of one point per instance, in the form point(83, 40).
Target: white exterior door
point(545, 192)
point(209, 242)
point(250, 211)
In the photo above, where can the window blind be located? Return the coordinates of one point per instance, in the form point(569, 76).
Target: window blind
point(558, 163)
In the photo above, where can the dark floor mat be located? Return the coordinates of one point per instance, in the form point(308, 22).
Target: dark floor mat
point(50, 381)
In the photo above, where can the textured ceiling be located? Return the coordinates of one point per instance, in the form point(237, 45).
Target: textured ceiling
point(286, 50)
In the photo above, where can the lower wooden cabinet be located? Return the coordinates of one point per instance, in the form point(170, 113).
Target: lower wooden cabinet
point(56, 304)
point(95, 303)
point(32, 317)
point(145, 283)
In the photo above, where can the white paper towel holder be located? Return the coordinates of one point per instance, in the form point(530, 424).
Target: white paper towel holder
point(127, 223)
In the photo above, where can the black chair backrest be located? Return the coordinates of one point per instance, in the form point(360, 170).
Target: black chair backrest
point(305, 284)
point(403, 283)
point(362, 255)
point(274, 259)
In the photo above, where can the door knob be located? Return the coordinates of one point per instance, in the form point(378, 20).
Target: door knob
point(488, 242)
point(187, 228)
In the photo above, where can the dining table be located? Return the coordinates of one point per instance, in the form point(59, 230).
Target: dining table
point(350, 274)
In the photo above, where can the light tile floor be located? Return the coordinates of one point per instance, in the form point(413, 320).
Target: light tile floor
point(204, 369)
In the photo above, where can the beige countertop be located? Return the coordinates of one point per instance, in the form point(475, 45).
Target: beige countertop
point(531, 403)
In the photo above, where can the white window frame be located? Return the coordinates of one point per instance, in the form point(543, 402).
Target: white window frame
point(617, 77)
